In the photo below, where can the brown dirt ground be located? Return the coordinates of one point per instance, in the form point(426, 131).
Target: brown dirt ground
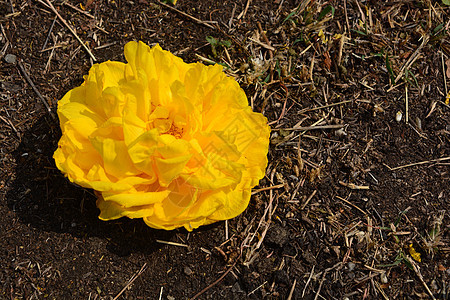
point(337, 222)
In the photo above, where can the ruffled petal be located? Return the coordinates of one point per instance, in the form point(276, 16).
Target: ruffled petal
point(172, 143)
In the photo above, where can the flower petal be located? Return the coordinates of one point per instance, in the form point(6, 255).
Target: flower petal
point(173, 143)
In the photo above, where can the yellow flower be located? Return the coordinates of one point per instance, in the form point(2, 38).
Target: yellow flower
point(175, 144)
point(414, 254)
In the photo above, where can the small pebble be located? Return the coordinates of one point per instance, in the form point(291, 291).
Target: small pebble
point(340, 132)
point(11, 59)
point(351, 266)
point(419, 123)
point(188, 271)
point(398, 116)
point(384, 278)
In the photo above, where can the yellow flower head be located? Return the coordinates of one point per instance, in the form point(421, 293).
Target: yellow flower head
point(173, 143)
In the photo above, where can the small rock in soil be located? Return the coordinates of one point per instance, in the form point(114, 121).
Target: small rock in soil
point(384, 278)
point(277, 236)
point(11, 59)
point(351, 266)
point(188, 271)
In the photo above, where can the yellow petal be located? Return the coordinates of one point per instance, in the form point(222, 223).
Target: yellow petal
point(127, 200)
point(110, 210)
point(116, 160)
point(170, 168)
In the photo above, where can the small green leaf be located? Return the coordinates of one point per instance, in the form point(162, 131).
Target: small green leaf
point(226, 43)
point(278, 68)
point(296, 41)
point(325, 12)
point(438, 28)
point(359, 32)
point(391, 74)
point(212, 41)
point(409, 73)
point(446, 2)
point(170, 1)
point(290, 15)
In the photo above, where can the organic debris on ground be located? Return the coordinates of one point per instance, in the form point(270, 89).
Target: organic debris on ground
point(355, 200)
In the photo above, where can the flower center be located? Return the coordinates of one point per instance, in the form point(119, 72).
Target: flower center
point(175, 131)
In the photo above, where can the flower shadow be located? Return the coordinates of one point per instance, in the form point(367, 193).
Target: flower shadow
point(42, 197)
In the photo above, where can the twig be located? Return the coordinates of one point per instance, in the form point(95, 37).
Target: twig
point(443, 73)
point(292, 290)
point(351, 204)
point(307, 200)
point(268, 47)
point(260, 286)
point(354, 186)
point(47, 66)
point(406, 105)
point(186, 15)
point(304, 51)
point(418, 163)
point(299, 158)
point(420, 134)
point(30, 82)
point(131, 280)
point(79, 10)
point(12, 6)
point(268, 188)
point(48, 3)
point(52, 48)
point(341, 48)
point(320, 285)
point(416, 269)
point(346, 19)
point(172, 243)
point(49, 32)
point(161, 292)
point(244, 12)
point(230, 22)
point(277, 13)
point(207, 60)
point(226, 230)
point(308, 281)
point(377, 285)
point(412, 58)
point(105, 45)
point(324, 106)
point(306, 128)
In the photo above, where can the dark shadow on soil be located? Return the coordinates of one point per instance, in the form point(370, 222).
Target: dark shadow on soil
point(42, 197)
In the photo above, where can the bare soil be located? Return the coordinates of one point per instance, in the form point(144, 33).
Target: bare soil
point(351, 197)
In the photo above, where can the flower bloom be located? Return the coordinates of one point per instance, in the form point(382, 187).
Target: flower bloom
point(175, 144)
